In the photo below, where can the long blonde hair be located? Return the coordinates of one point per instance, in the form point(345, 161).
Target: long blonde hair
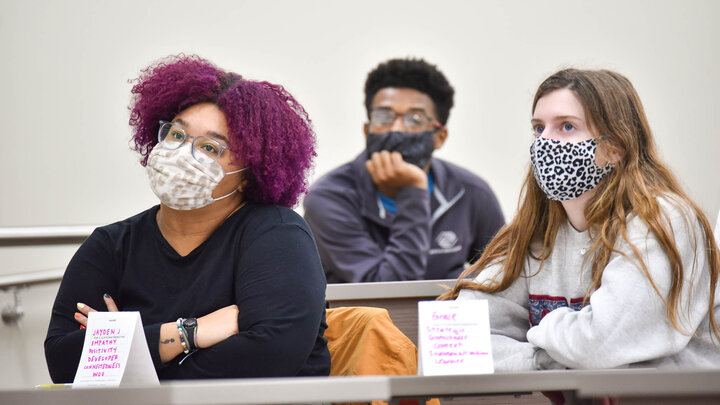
point(614, 109)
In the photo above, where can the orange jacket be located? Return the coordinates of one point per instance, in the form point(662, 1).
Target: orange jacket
point(365, 341)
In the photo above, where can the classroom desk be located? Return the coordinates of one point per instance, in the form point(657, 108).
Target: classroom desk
point(631, 386)
point(214, 392)
point(400, 298)
point(640, 386)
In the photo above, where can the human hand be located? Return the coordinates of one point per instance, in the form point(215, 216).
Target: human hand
point(390, 173)
point(217, 326)
point(84, 310)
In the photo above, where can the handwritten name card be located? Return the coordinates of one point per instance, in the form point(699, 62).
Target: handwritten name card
point(115, 352)
point(454, 338)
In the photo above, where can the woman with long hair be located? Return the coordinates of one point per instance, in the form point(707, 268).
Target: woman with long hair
point(607, 263)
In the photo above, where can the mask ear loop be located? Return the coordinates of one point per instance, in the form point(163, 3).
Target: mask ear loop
point(236, 171)
point(235, 190)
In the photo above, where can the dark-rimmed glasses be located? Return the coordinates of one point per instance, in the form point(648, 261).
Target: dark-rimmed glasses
point(382, 119)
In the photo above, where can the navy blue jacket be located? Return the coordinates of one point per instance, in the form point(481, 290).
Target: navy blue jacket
point(431, 237)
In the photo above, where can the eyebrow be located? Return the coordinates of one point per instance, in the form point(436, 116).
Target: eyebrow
point(560, 117)
point(564, 117)
point(216, 135)
point(211, 133)
point(412, 109)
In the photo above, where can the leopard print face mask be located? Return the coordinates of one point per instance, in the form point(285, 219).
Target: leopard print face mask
point(180, 181)
point(565, 170)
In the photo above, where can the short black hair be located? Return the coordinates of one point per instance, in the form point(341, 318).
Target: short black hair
point(413, 74)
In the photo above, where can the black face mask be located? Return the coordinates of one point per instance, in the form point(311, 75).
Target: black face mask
point(415, 148)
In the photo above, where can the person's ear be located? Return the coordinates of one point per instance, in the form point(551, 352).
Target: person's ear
point(243, 181)
point(615, 156)
point(440, 137)
point(366, 128)
point(608, 155)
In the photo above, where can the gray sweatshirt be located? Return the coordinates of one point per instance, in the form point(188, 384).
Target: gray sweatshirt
point(541, 322)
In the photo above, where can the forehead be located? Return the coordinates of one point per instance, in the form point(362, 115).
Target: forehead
point(203, 118)
point(402, 100)
point(561, 102)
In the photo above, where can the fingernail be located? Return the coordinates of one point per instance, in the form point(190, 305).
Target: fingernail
point(80, 305)
point(106, 295)
point(82, 326)
point(77, 315)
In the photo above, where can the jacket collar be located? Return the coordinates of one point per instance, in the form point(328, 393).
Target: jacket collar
point(446, 192)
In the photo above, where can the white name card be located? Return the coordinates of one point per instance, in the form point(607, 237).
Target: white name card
point(115, 352)
point(454, 338)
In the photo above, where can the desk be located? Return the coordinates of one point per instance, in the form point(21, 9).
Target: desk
point(214, 392)
point(688, 387)
point(632, 386)
point(400, 298)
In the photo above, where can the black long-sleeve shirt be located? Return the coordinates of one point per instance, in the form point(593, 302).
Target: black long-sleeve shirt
point(262, 258)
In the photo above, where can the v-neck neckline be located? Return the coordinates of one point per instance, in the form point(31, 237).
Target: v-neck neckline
point(199, 248)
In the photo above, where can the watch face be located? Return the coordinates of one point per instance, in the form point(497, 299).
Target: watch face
point(190, 323)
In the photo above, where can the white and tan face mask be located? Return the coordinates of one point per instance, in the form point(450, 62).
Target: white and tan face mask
point(180, 181)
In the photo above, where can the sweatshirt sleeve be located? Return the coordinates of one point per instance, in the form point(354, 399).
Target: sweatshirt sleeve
point(509, 324)
point(86, 278)
point(280, 294)
point(489, 219)
point(347, 248)
point(626, 321)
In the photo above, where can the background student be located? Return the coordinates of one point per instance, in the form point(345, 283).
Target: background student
point(395, 212)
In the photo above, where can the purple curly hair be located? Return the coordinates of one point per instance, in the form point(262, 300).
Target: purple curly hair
point(268, 129)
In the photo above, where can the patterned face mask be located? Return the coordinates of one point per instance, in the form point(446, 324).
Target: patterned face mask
point(565, 170)
point(180, 181)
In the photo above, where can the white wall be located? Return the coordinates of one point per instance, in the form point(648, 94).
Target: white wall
point(64, 93)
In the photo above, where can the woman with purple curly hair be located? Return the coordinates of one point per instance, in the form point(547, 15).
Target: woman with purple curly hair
point(222, 269)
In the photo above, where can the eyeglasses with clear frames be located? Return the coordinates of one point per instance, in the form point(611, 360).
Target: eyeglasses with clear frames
point(205, 150)
point(414, 121)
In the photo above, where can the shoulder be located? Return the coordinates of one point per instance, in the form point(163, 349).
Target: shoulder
point(109, 243)
point(342, 185)
point(274, 234)
point(491, 275)
point(678, 219)
point(676, 213)
point(338, 179)
point(674, 207)
point(134, 225)
point(261, 218)
point(473, 183)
